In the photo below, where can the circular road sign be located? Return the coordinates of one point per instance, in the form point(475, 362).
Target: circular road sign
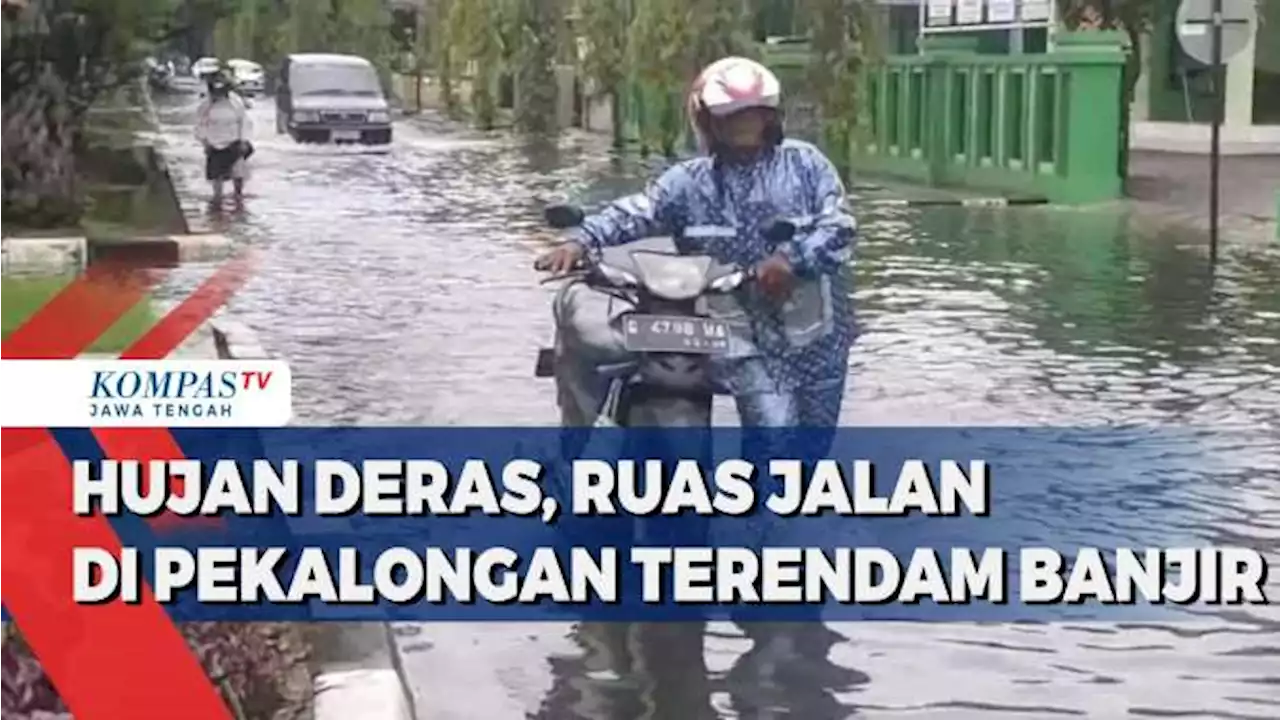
point(1195, 27)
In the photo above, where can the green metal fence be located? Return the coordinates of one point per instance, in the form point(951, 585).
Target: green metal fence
point(1045, 124)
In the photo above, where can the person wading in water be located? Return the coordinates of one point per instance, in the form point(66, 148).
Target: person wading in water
point(222, 127)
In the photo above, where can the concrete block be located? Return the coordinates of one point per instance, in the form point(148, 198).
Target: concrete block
point(43, 256)
point(165, 250)
point(203, 247)
point(361, 694)
point(236, 341)
point(356, 675)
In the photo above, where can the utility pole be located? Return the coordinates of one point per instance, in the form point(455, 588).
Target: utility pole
point(1215, 135)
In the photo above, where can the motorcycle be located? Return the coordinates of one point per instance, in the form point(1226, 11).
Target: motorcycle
point(667, 331)
point(159, 74)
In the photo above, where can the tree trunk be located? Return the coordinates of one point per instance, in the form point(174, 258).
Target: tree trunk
point(615, 114)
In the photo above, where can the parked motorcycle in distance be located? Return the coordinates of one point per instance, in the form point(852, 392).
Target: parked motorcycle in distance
point(661, 334)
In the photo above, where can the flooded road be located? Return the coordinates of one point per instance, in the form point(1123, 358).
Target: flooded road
point(398, 286)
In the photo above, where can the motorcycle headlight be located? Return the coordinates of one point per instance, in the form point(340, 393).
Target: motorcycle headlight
point(728, 283)
point(379, 116)
point(672, 277)
point(617, 276)
point(306, 116)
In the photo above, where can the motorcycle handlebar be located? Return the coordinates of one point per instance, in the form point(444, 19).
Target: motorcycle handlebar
point(563, 217)
point(584, 268)
point(566, 216)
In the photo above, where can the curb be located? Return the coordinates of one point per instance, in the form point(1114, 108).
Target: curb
point(356, 673)
point(37, 256)
point(195, 221)
point(954, 202)
point(165, 249)
point(234, 340)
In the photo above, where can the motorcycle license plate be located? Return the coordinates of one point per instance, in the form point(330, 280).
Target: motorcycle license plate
point(675, 334)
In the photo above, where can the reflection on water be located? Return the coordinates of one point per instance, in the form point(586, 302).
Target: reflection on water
point(664, 670)
point(398, 286)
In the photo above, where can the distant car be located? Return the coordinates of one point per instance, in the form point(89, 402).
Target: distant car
point(249, 76)
point(205, 66)
point(332, 98)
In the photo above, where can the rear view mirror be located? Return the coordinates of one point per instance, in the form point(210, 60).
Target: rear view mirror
point(780, 231)
point(564, 216)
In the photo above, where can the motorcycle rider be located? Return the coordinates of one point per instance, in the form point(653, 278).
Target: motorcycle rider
point(799, 323)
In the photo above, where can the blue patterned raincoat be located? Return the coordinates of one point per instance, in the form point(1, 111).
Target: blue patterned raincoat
point(789, 363)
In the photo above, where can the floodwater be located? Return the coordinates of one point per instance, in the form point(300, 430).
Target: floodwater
point(398, 286)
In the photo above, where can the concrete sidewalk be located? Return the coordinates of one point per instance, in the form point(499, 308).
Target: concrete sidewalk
point(1175, 187)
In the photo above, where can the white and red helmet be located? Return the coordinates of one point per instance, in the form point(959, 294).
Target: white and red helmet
point(727, 86)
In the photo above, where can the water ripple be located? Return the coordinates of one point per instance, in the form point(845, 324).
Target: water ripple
point(398, 286)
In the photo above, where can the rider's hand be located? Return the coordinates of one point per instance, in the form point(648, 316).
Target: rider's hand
point(562, 259)
point(775, 276)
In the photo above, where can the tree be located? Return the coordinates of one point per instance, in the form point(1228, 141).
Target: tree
point(60, 57)
point(363, 27)
point(844, 40)
point(720, 28)
point(473, 29)
point(308, 26)
point(538, 88)
point(660, 55)
point(442, 52)
point(253, 30)
point(604, 63)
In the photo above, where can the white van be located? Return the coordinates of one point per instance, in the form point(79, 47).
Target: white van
point(332, 98)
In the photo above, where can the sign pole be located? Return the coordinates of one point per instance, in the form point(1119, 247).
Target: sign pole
point(920, 27)
point(1215, 135)
point(1230, 31)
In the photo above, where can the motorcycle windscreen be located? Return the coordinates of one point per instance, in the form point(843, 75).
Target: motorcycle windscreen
point(672, 277)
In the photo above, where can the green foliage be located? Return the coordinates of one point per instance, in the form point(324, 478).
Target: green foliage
point(442, 51)
point(720, 28)
point(844, 34)
point(309, 26)
point(253, 30)
point(666, 43)
point(538, 23)
point(474, 30)
point(604, 31)
point(603, 64)
point(267, 30)
point(363, 27)
point(661, 58)
point(510, 17)
point(774, 17)
point(60, 57)
point(92, 46)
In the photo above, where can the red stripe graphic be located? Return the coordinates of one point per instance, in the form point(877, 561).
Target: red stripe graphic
point(79, 314)
point(115, 660)
point(110, 661)
point(180, 322)
point(146, 444)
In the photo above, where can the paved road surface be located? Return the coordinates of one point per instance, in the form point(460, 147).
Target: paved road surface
point(398, 287)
